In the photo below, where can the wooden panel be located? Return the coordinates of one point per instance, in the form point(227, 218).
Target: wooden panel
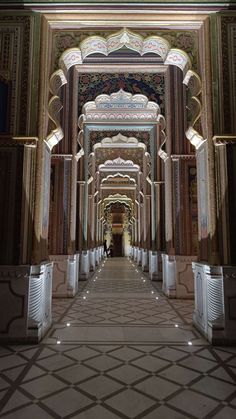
point(11, 165)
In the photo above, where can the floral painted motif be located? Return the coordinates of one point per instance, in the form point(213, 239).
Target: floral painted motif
point(94, 84)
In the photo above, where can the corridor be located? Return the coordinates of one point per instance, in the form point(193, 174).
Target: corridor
point(120, 349)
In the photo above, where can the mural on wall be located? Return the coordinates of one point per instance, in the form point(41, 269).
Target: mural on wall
point(93, 84)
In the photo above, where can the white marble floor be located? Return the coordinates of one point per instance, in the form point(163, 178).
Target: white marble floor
point(120, 349)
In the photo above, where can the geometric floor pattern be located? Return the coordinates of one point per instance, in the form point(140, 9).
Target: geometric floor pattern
point(119, 349)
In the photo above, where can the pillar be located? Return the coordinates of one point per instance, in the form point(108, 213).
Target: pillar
point(25, 286)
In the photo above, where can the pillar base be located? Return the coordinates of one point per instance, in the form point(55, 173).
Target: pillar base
point(215, 311)
point(131, 254)
point(139, 256)
point(92, 259)
point(84, 265)
point(155, 266)
point(100, 253)
point(145, 265)
point(97, 256)
point(65, 275)
point(25, 299)
point(135, 253)
point(177, 276)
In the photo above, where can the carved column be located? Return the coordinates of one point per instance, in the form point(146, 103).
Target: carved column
point(25, 289)
point(155, 268)
point(155, 261)
point(85, 264)
point(62, 226)
point(91, 233)
point(92, 198)
point(147, 221)
point(141, 221)
point(214, 313)
point(27, 205)
point(146, 214)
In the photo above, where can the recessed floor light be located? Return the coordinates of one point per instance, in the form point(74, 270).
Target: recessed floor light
point(58, 342)
point(67, 324)
point(190, 343)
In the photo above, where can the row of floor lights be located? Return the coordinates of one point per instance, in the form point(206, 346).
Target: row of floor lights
point(190, 343)
point(84, 298)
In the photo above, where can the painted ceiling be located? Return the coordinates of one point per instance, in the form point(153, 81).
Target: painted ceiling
point(93, 84)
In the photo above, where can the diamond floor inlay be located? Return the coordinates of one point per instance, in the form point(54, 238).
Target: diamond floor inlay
point(123, 353)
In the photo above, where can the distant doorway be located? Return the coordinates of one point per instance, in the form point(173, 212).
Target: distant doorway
point(117, 245)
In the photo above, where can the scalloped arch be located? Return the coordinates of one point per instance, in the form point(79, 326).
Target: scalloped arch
point(118, 176)
point(119, 164)
point(105, 46)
